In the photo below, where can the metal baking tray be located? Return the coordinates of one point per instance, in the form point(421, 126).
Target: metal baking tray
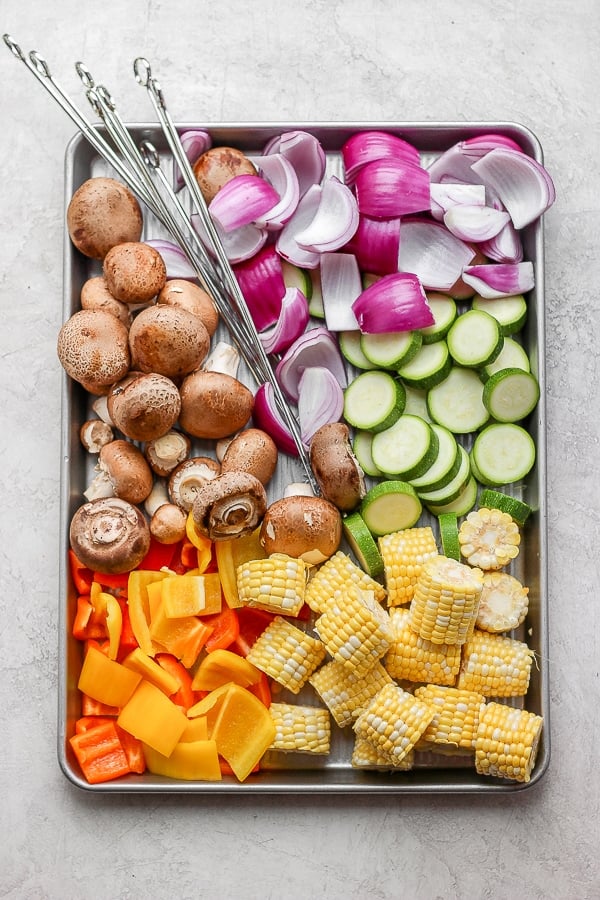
point(296, 773)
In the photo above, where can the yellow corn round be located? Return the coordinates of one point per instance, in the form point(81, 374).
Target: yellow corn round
point(344, 693)
point(504, 603)
point(489, 539)
point(404, 553)
point(303, 729)
point(335, 578)
point(276, 584)
point(444, 607)
point(287, 654)
point(394, 721)
point(507, 741)
point(495, 665)
point(355, 629)
point(366, 755)
point(456, 717)
point(411, 658)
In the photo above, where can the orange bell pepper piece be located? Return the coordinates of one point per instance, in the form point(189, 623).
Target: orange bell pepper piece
point(191, 595)
point(99, 616)
point(139, 607)
point(94, 709)
point(89, 622)
point(243, 730)
point(148, 668)
point(189, 761)
point(81, 576)
point(184, 695)
point(100, 753)
point(151, 717)
point(221, 666)
point(105, 680)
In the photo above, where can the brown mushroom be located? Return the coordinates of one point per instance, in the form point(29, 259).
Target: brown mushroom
point(96, 295)
point(308, 528)
point(168, 524)
point(94, 434)
point(214, 405)
point(122, 472)
point(93, 348)
point(109, 535)
point(189, 477)
point(166, 452)
point(194, 299)
point(335, 466)
point(251, 451)
point(135, 272)
point(167, 340)
point(218, 165)
point(229, 506)
point(144, 406)
point(101, 214)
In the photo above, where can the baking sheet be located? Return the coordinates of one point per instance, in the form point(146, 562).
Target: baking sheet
point(294, 772)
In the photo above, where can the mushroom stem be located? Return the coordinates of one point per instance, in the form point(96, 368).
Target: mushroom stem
point(157, 497)
point(298, 489)
point(224, 358)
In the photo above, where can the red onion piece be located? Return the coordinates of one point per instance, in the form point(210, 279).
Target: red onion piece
point(506, 246)
point(287, 245)
point(387, 188)
point(320, 401)
point(366, 146)
point(335, 220)
point(376, 245)
point(395, 302)
point(290, 325)
point(305, 153)
point(316, 347)
point(194, 144)
point(455, 163)
point(475, 223)
point(446, 195)
point(242, 200)
point(177, 263)
point(433, 254)
point(267, 417)
point(341, 284)
point(281, 174)
point(261, 281)
point(522, 184)
point(240, 244)
point(500, 279)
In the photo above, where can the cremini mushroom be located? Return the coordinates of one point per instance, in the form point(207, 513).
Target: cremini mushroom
point(218, 165)
point(194, 299)
point(168, 340)
point(187, 479)
point(94, 434)
point(101, 214)
point(122, 472)
point(335, 466)
point(93, 348)
point(96, 295)
point(166, 452)
point(144, 406)
point(214, 405)
point(229, 506)
point(308, 528)
point(254, 451)
point(168, 524)
point(135, 272)
point(109, 535)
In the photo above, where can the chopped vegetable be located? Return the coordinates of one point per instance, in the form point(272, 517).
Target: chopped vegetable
point(404, 554)
point(489, 539)
point(506, 742)
point(445, 602)
point(302, 729)
point(276, 584)
point(412, 658)
point(287, 654)
point(394, 721)
point(495, 665)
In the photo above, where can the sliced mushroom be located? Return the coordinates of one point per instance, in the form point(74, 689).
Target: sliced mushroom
point(194, 299)
point(167, 340)
point(251, 451)
point(335, 466)
point(229, 506)
point(144, 406)
point(96, 295)
point(109, 535)
point(166, 452)
point(214, 405)
point(308, 528)
point(168, 524)
point(135, 272)
point(188, 478)
point(94, 434)
point(93, 348)
point(123, 471)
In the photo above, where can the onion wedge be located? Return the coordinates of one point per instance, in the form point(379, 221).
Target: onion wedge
point(429, 250)
point(500, 279)
point(521, 183)
point(393, 303)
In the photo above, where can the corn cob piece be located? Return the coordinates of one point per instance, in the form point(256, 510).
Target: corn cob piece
point(403, 554)
point(394, 721)
point(287, 654)
point(366, 755)
point(334, 578)
point(344, 693)
point(504, 602)
point(304, 729)
point(495, 665)
point(276, 584)
point(507, 741)
point(356, 630)
point(456, 717)
point(412, 658)
point(444, 606)
point(489, 539)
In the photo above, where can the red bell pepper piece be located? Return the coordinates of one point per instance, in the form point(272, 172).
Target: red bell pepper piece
point(262, 690)
point(84, 723)
point(112, 581)
point(128, 640)
point(81, 575)
point(134, 751)
point(94, 708)
point(100, 753)
point(184, 696)
point(158, 556)
point(88, 622)
point(226, 628)
point(252, 624)
point(189, 555)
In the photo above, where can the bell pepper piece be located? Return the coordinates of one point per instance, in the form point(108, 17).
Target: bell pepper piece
point(159, 556)
point(262, 690)
point(189, 555)
point(195, 730)
point(138, 605)
point(148, 668)
point(114, 624)
point(230, 555)
point(225, 629)
point(203, 545)
point(134, 751)
point(105, 680)
point(209, 706)
point(100, 753)
point(88, 622)
point(189, 761)
point(128, 640)
point(111, 581)
point(252, 624)
point(221, 666)
point(184, 695)
point(243, 730)
point(227, 770)
point(191, 595)
point(183, 637)
point(95, 709)
point(151, 717)
point(81, 576)
point(84, 723)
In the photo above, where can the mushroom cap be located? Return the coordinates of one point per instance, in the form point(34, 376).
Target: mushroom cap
point(166, 452)
point(168, 524)
point(214, 405)
point(144, 406)
point(109, 535)
point(93, 348)
point(189, 477)
point(335, 466)
point(96, 295)
point(128, 471)
point(94, 434)
point(191, 297)
point(135, 272)
point(102, 213)
point(308, 528)
point(229, 506)
point(218, 165)
point(254, 451)
point(168, 340)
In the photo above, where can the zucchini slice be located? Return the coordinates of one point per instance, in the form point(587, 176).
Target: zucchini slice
point(446, 465)
point(516, 509)
point(361, 447)
point(503, 453)
point(463, 504)
point(454, 488)
point(510, 395)
point(363, 545)
point(390, 506)
point(444, 313)
point(407, 449)
point(475, 339)
point(457, 402)
point(510, 312)
point(448, 523)
point(391, 350)
point(349, 344)
point(374, 401)
point(430, 366)
point(512, 356)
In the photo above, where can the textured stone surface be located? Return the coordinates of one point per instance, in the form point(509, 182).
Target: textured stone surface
point(283, 61)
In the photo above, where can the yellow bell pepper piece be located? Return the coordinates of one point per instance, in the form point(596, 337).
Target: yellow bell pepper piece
point(230, 555)
point(105, 680)
point(195, 730)
point(202, 544)
point(183, 637)
point(191, 761)
point(191, 595)
point(208, 708)
point(243, 730)
point(108, 605)
point(140, 662)
point(221, 666)
point(138, 605)
point(151, 717)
